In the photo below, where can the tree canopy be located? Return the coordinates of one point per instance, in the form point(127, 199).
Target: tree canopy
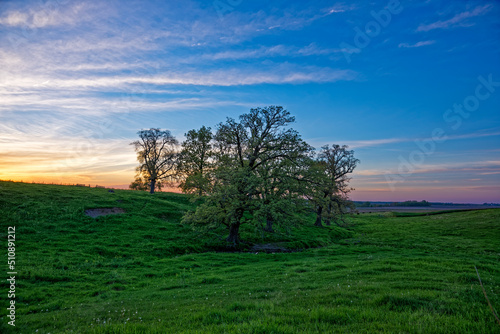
point(196, 160)
point(249, 160)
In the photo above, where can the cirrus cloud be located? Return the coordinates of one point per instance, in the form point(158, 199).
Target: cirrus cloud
point(457, 20)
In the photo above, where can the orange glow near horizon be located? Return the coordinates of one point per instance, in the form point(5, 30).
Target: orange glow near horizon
point(74, 182)
point(381, 194)
point(61, 181)
point(102, 179)
point(112, 164)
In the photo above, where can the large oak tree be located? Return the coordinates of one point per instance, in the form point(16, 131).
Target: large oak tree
point(249, 160)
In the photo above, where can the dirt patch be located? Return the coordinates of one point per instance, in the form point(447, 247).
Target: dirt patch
point(94, 213)
point(270, 248)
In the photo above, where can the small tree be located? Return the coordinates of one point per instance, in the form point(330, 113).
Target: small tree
point(329, 181)
point(139, 183)
point(143, 183)
point(157, 155)
point(196, 160)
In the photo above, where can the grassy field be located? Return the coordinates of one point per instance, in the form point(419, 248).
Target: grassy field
point(143, 272)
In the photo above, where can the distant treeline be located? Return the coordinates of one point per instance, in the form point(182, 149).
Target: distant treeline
point(56, 183)
point(405, 203)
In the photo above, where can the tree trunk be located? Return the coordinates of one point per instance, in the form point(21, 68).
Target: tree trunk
point(234, 228)
point(269, 225)
point(318, 216)
point(153, 184)
point(328, 213)
point(234, 237)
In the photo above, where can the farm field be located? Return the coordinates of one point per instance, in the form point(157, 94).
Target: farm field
point(142, 271)
point(432, 208)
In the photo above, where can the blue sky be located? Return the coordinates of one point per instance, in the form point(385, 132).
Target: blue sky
point(78, 79)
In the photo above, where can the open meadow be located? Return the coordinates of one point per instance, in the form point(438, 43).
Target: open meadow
point(141, 271)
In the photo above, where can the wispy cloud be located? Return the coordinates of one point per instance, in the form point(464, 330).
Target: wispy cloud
point(49, 14)
point(470, 168)
point(270, 51)
point(339, 8)
point(474, 135)
point(374, 142)
point(457, 20)
point(279, 74)
point(385, 141)
point(293, 19)
point(416, 45)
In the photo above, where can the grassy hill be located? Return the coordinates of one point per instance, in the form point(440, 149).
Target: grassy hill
point(143, 272)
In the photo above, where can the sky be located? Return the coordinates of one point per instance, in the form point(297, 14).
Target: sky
point(413, 87)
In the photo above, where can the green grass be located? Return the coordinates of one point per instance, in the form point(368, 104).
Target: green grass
point(144, 272)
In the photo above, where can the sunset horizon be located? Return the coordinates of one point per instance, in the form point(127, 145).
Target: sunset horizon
point(357, 196)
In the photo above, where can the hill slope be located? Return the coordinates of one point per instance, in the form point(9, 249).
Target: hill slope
point(143, 272)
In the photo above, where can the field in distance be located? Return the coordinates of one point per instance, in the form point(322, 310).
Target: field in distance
point(431, 208)
point(141, 271)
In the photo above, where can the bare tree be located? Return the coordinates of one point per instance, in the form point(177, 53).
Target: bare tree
point(157, 155)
